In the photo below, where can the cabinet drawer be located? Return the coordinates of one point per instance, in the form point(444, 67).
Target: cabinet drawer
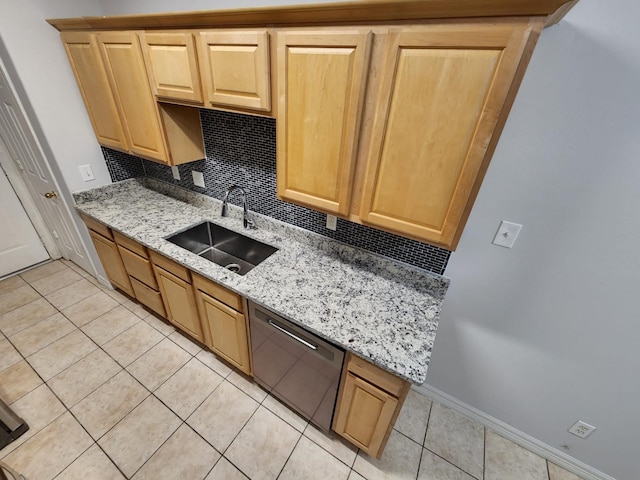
point(138, 267)
point(218, 292)
point(383, 379)
point(130, 244)
point(171, 266)
point(148, 297)
point(97, 227)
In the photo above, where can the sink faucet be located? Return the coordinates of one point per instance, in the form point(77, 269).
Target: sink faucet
point(246, 220)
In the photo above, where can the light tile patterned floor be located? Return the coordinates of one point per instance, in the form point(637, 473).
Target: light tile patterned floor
point(110, 392)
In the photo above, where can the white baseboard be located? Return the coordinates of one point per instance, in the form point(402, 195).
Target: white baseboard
point(516, 436)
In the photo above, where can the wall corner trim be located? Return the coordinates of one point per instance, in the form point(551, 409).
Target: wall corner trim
point(516, 436)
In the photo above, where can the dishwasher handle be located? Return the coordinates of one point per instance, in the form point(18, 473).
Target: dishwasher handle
point(292, 335)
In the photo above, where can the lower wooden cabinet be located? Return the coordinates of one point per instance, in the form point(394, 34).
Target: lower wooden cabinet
point(368, 404)
point(225, 328)
point(111, 262)
point(179, 302)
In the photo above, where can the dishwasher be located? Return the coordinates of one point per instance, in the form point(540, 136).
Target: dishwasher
point(295, 366)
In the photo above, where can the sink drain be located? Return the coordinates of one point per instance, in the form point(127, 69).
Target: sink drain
point(234, 267)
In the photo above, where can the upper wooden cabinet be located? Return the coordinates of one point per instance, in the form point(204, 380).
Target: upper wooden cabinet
point(84, 56)
point(128, 77)
point(235, 68)
point(113, 80)
point(173, 66)
point(444, 90)
point(321, 81)
point(437, 97)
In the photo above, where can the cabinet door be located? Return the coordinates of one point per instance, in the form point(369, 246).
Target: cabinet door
point(84, 56)
point(445, 92)
point(235, 68)
point(179, 302)
point(321, 80)
point(226, 331)
point(173, 66)
point(364, 414)
point(111, 262)
point(127, 73)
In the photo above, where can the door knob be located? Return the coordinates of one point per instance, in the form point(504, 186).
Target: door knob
point(50, 194)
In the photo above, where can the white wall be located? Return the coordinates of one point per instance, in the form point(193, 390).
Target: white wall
point(39, 59)
point(127, 7)
point(547, 333)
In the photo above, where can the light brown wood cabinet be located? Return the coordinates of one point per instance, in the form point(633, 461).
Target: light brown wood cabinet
point(138, 266)
point(437, 97)
point(106, 119)
point(178, 295)
point(172, 63)
point(107, 250)
point(235, 68)
point(442, 93)
point(224, 323)
point(112, 76)
point(321, 82)
point(368, 404)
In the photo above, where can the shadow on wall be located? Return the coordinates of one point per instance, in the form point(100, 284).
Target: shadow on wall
point(540, 334)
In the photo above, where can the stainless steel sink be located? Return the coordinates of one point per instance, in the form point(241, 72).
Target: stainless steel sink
point(229, 249)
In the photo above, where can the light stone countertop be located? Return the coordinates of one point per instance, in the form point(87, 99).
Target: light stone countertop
point(382, 310)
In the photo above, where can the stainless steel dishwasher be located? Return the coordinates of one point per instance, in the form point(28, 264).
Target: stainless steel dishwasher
point(296, 366)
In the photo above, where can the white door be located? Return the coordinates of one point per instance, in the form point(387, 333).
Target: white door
point(20, 245)
point(25, 151)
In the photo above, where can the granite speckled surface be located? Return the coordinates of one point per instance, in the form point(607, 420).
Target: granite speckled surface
point(381, 310)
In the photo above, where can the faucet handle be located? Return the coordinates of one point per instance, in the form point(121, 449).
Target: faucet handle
point(248, 223)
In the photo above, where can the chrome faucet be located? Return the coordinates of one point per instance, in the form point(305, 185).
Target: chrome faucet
point(247, 222)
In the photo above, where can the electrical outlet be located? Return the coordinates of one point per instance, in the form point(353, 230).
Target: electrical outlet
point(581, 429)
point(507, 234)
point(86, 172)
point(198, 178)
point(332, 222)
point(175, 172)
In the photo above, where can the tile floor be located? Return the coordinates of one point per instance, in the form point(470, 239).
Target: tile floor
point(110, 391)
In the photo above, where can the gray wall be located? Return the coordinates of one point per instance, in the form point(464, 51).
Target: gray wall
point(547, 333)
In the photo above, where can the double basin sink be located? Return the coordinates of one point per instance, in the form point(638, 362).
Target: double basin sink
point(224, 247)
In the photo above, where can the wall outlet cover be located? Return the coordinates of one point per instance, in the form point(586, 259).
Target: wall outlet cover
point(198, 178)
point(507, 234)
point(86, 172)
point(332, 222)
point(582, 429)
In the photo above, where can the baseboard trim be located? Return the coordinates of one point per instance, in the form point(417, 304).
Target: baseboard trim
point(516, 436)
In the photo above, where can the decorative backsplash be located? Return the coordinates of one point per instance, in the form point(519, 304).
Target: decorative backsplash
point(241, 149)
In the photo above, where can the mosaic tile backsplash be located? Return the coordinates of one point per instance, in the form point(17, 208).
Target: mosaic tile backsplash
point(241, 149)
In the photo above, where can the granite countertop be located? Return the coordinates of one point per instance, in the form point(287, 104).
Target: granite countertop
point(379, 309)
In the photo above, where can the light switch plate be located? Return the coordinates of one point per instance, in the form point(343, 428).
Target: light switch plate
point(175, 172)
point(86, 172)
point(332, 222)
point(198, 178)
point(507, 234)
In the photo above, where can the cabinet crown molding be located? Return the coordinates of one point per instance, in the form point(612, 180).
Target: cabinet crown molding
point(346, 13)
